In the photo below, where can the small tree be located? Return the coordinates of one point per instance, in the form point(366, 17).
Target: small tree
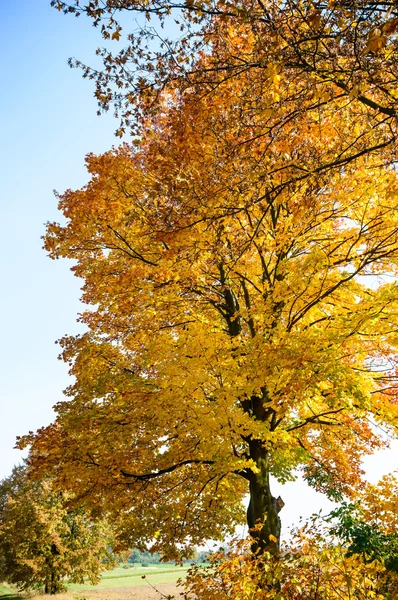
point(43, 542)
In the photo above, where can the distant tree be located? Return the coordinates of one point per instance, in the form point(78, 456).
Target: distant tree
point(203, 556)
point(146, 558)
point(45, 543)
point(135, 556)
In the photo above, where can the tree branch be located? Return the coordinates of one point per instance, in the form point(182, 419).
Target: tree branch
point(153, 475)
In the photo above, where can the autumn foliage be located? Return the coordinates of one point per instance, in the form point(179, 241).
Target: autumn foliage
point(337, 49)
point(312, 568)
point(325, 558)
point(238, 261)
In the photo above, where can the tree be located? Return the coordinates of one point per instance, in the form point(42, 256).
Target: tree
point(43, 542)
point(243, 317)
point(135, 556)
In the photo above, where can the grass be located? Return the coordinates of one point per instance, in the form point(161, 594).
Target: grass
point(8, 593)
point(131, 583)
point(133, 577)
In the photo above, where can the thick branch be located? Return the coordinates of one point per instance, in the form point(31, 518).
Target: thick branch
point(146, 476)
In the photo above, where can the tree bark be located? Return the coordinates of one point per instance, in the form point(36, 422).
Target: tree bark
point(52, 585)
point(53, 581)
point(262, 512)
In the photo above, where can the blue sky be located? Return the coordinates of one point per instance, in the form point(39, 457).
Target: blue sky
point(48, 124)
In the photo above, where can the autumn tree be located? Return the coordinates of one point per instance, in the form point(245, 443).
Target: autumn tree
point(242, 309)
point(43, 543)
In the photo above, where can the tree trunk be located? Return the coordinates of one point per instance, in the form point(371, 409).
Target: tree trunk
point(53, 584)
point(53, 581)
point(263, 508)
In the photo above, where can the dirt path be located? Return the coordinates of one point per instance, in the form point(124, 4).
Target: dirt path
point(162, 591)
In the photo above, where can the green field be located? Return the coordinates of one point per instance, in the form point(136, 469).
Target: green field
point(130, 577)
point(133, 577)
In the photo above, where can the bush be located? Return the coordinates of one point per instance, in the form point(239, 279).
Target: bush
point(314, 565)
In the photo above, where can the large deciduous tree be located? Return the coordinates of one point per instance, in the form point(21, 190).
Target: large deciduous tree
point(43, 543)
point(243, 308)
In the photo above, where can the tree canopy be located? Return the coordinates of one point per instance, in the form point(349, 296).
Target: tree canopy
point(332, 50)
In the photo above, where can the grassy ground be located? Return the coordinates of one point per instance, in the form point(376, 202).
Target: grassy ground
point(8, 593)
point(132, 583)
point(133, 577)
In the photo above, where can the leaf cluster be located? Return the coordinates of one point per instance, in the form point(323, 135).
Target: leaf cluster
point(367, 528)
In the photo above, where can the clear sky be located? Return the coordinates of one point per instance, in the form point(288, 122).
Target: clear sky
point(48, 124)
